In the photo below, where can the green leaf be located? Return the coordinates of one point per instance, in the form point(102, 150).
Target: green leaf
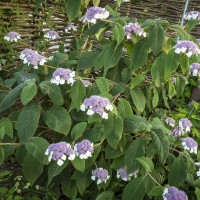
point(146, 163)
point(10, 99)
point(95, 28)
point(72, 8)
point(124, 109)
point(77, 94)
point(171, 90)
point(1, 155)
point(78, 130)
point(156, 39)
point(138, 99)
point(192, 23)
point(135, 150)
point(140, 53)
point(79, 164)
point(184, 35)
point(137, 80)
point(135, 189)
point(28, 93)
point(7, 125)
point(32, 169)
point(103, 85)
point(37, 146)
point(161, 143)
point(106, 195)
point(136, 124)
point(171, 64)
point(53, 91)
point(23, 76)
point(157, 70)
point(87, 60)
point(156, 191)
point(28, 119)
point(177, 172)
point(110, 55)
point(118, 32)
point(155, 99)
point(59, 59)
point(184, 63)
point(113, 129)
point(2, 133)
point(58, 119)
point(54, 169)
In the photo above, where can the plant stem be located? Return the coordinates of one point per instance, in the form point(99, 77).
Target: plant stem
point(7, 144)
point(153, 179)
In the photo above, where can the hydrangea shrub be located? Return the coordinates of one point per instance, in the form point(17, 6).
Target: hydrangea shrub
point(99, 121)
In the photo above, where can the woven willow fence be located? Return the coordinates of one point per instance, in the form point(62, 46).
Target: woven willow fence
point(30, 20)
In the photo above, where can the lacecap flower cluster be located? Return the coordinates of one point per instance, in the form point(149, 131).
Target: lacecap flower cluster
point(195, 69)
point(12, 36)
point(51, 35)
point(133, 28)
point(32, 57)
point(61, 151)
point(97, 104)
point(192, 15)
point(95, 13)
point(188, 47)
point(173, 193)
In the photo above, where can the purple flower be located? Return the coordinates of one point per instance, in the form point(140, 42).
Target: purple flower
point(86, 83)
point(189, 144)
point(195, 69)
point(186, 46)
point(178, 131)
point(61, 75)
point(84, 149)
point(173, 193)
point(12, 36)
point(59, 152)
point(198, 40)
point(185, 124)
point(101, 175)
point(122, 173)
point(70, 27)
point(51, 35)
point(95, 13)
point(133, 28)
point(170, 121)
point(192, 15)
point(98, 105)
point(32, 57)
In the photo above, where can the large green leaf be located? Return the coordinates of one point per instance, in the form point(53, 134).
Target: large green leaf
point(171, 63)
point(160, 143)
point(1, 155)
point(137, 80)
point(157, 70)
point(32, 169)
point(156, 39)
point(140, 53)
point(106, 195)
point(135, 150)
point(10, 99)
point(77, 94)
point(78, 130)
point(58, 119)
point(103, 85)
point(118, 33)
point(28, 119)
point(135, 189)
point(54, 169)
point(79, 164)
point(72, 8)
point(113, 129)
point(138, 99)
point(136, 124)
point(124, 109)
point(177, 172)
point(7, 125)
point(95, 28)
point(146, 163)
point(28, 93)
point(37, 146)
point(53, 92)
